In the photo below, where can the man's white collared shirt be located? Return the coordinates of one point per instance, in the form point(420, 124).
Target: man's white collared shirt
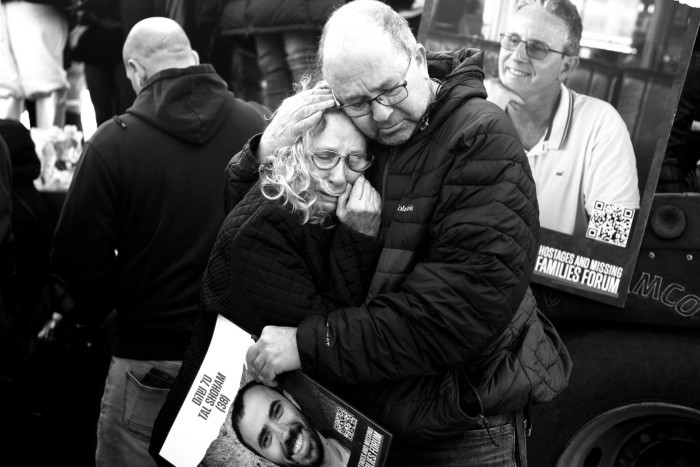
point(585, 156)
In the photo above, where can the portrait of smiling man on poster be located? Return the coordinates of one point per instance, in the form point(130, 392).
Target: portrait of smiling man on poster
point(270, 423)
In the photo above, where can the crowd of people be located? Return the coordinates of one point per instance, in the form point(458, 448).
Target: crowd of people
point(371, 214)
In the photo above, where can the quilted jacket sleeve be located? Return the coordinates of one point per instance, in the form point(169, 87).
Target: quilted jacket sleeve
point(465, 287)
point(277, 274)
point(241, 173)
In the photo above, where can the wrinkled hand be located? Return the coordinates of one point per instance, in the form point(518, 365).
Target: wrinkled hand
point(501, 95)
point(360, 208)
point(295, 115)
point(274, 353)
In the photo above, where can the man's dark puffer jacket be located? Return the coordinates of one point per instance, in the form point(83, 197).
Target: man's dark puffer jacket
point(450, 296)
point(451, 289)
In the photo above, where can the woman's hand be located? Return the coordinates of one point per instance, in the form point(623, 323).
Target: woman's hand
point(360, 208)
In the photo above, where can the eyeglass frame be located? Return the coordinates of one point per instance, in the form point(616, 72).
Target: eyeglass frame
point(402, 84)
point(527, 44)
point(367, 156)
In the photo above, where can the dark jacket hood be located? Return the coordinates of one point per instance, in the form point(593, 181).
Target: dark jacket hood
point(461, 75)
point(189, 103)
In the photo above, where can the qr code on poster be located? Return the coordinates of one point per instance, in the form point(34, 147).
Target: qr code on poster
point(610, 223)
point(345, 424)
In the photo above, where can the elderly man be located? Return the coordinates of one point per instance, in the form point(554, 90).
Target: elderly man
point(578, 146)
point(271, 424)
point(140, 220)
point(450, 294)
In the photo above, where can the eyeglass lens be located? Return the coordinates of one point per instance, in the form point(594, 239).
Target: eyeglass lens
point(391, 97)
point(329, 159)
point(534, 49)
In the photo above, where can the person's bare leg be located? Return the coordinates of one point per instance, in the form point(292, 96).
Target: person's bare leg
point(11, 108)
point(51, 110)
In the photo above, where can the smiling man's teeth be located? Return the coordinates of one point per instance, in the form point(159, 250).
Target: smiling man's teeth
point(297, 444)
point(517, 73)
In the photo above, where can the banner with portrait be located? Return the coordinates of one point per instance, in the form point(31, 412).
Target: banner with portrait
point(634, 55)
point(316, 419)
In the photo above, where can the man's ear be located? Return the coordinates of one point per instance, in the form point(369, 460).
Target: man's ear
point(291, 399)
point(196, 57)
point(137, 70)
point(421, 60)
point(569, 64)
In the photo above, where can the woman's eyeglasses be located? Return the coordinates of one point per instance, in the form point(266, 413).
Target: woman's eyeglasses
point(326, 160)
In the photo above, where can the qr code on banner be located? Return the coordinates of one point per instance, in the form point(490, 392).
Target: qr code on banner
point(610, 223)
point(345, 424)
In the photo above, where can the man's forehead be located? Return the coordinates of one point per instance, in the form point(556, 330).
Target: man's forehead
point(261, 393)
point(364, 74)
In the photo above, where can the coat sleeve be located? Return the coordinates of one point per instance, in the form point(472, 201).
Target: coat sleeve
point(272, 277)
point(241, 173)
point(464, 290)
point(85, 241)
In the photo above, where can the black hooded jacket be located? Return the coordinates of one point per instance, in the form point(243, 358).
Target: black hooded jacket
point(144, 207)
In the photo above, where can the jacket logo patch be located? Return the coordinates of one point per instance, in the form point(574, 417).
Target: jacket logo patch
point(559, 174)
point(403, 208)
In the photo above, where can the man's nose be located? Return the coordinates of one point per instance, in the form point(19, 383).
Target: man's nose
point(281, 432)
point(520, 51)
point(381, 113)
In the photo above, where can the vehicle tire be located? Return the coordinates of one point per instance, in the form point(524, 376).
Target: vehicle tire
point(633, 400)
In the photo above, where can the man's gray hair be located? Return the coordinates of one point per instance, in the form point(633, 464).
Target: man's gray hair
point(568, 12)
point(373, 13)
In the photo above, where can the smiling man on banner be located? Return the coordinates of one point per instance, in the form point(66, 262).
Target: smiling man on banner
point(271, 424)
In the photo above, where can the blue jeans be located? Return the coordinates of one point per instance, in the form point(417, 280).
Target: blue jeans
point(501, 445)
point(129, 409)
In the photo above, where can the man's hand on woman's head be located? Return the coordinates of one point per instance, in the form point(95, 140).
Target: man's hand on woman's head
point(360, 207)
point(294, 116)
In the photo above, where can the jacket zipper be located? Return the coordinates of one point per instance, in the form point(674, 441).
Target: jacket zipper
point(385, 176)
point(461, 376)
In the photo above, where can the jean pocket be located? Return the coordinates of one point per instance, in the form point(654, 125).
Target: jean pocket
point(495, 446)
point(141, 406)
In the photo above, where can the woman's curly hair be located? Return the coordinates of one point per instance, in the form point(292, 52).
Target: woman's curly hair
point(286, 174)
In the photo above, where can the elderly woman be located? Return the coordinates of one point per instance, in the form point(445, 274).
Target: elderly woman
point(302, 240)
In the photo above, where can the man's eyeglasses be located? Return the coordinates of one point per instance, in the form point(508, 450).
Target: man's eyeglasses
point(391, 97)
point(326, 160)
point(534, 49)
